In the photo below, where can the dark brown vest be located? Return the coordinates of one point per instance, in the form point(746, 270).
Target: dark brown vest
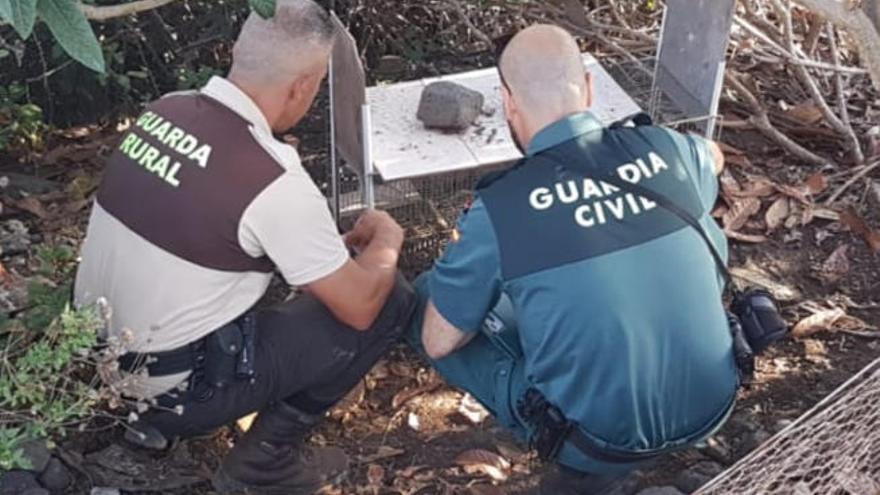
point(188, 210)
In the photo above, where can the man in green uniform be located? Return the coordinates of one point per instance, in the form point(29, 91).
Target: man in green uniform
point(586, 318)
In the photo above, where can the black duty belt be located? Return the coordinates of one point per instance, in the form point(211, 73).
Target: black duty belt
point(180, 360)
point(553, 431)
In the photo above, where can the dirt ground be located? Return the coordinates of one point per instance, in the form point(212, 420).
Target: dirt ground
point(404, 429)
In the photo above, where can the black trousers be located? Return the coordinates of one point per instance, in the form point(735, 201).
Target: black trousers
point(303, 355)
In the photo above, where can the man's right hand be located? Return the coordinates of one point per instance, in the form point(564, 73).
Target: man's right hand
point(371, 225)
point(357, 292)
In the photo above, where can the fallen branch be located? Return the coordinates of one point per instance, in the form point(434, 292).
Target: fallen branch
point(102, 13)
point(857, 23)
point(866, 169)
point(761, 120)
point(809, 83)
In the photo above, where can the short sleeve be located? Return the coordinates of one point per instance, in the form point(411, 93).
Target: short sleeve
point(466, 282)
point(700, 164)
point(291, 223)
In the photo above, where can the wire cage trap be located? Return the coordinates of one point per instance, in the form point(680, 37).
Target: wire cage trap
point(383, 157)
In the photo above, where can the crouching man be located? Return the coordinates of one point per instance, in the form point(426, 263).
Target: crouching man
point(198, 207)
point(586, 318)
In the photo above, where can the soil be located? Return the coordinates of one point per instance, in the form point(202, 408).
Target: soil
point(404, 428)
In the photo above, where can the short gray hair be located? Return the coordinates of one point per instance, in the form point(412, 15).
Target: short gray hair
point(286, 46)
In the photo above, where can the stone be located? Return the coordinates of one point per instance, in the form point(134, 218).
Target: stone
point(36, 491)
point(697, 475)
point(14, 237)
point(100, 490)
point(16, 482)
point(37, 453)
point(449, 106)
point(661, 490)
point(56, 478)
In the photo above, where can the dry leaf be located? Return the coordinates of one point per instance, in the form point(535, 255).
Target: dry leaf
point(815, 183)
point(758, 187)
point(729, 185)
point(836, 266)
point(794, 192)
point(740, 212)
point(31, 205)
point(750, 238)
point(384, 452)
point(823, 320)
point(805, 113)
point(826, 214)
point(408, 394)
point(777, 213)
point(375, 474)
point(479, 461)
point(472, 410)
point(719, 211)
point(861, 228)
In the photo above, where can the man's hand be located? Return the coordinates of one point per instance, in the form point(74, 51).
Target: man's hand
point(357, 292)
point(373, 224)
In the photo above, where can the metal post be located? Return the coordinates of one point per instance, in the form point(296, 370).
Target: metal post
point(369, 176)
point(655, 98)
point(334, 165)
point(716, 101)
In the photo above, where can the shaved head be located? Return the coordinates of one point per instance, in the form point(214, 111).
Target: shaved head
point(280, 62)
point(291, 44)
point(544, 75)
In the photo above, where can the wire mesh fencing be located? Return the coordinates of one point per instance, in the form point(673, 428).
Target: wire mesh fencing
point(830, 450)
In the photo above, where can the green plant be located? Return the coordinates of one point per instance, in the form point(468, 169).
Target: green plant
point(192, 79)
point(46, 359)
point(71, 29)
point(21, 123)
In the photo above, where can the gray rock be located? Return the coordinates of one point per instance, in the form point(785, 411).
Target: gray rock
point(36, 491)
point(24, 183)
point(698, 475)
point(55, 477)
point(661, 490)
point(38, 454)
point(14, 237)
point(16, 482)
point(99, 490)
point(450, 106)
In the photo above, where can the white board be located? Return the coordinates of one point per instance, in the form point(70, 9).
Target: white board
point(404, 148)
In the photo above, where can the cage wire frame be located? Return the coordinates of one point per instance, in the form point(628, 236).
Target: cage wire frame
point(829, 450)
point(427, 207)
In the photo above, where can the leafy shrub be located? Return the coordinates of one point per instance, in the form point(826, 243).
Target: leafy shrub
point(46, 361)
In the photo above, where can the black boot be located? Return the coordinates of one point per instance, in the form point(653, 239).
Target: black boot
point(272, 458)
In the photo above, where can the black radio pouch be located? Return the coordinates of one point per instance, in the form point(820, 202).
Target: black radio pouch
point(551, 428)
point(222, 349)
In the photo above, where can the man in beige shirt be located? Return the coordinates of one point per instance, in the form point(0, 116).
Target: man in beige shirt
point(199, 206)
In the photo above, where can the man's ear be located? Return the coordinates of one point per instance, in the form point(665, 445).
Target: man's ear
point(510, 109)
point(588, 97)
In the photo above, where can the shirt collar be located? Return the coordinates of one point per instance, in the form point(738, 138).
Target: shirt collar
point(563, 130)
point(235, 99)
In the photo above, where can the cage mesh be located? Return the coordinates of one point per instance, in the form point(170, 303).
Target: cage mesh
point(636, 77)
point(427, 207)
point(831, 450)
